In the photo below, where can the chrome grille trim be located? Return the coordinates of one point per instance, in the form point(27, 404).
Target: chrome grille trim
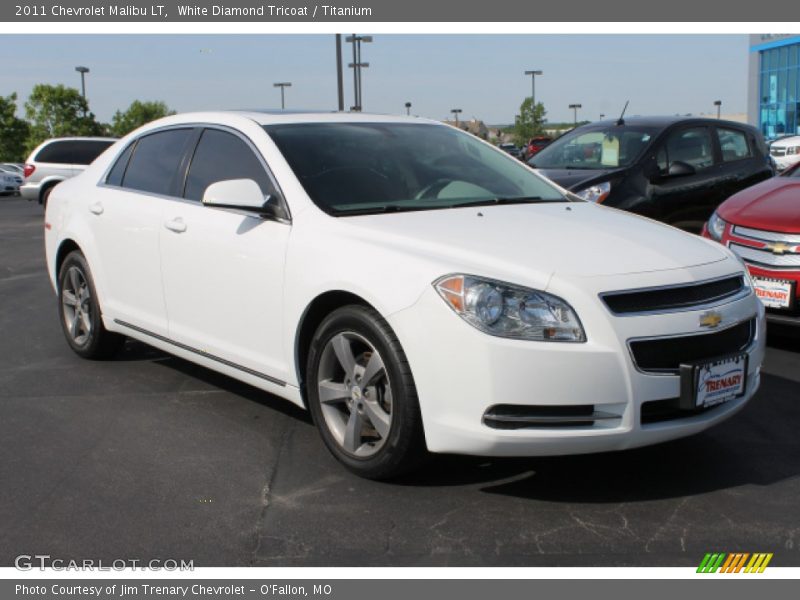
point(766, 257)
point(766, 236)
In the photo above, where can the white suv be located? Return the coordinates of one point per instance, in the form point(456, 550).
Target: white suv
point(58, 159)
point(411, 285)
point(785, 152)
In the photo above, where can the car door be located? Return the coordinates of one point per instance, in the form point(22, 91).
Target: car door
point(126, 217)
point(223, 268)
point(686, 200)
point(741, 165)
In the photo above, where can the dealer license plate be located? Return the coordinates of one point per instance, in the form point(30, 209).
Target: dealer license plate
point(774, 293)
point(716, 381)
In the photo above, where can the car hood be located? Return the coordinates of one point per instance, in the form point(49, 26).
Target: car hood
point(575, 238)
point(574, 179)
point(773, 205)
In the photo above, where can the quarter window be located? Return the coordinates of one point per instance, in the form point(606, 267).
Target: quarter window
point(154, 165)
point(221, 156)
point(56, 153)
point(691, 146)
point(733, 144)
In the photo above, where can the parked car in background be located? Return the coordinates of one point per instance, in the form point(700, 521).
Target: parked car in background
point(511, 149)
point(536, 145)
point(10, 181)
point(410, 284)
point(785, 151)
point(15, 167)
point(762, 225)
point(58, 159)
point(672, 169)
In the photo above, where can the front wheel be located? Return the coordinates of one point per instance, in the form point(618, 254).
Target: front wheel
point(79, 311)
point(362, 395)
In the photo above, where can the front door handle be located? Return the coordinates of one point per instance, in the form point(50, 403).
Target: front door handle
point(96, 208)
point(177, 225)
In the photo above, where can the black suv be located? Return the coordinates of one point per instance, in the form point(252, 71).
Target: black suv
point(673, 169)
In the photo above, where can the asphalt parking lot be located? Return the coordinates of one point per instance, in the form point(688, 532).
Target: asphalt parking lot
point(149, 456)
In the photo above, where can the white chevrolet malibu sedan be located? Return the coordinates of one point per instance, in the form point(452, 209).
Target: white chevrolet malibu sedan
point(412, 286)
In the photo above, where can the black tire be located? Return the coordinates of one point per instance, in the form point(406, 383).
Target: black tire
point(403, 448)
point(89, 338)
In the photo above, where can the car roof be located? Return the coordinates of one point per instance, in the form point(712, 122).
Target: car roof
point(275, 117)
point(666, 121)
point(79, 139)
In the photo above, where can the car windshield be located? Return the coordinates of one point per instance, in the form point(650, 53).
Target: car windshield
point(596, 147)
point(361, 168)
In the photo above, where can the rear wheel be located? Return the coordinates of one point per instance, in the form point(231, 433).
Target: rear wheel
point(79, 311)
point(362, 395)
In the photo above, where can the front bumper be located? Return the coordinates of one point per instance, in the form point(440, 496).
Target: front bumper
point(461, 372)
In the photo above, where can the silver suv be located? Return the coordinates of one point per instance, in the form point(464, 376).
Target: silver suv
point(58, 159)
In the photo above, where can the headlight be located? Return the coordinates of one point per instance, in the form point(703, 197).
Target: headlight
point(510, 311)
point(716, 227)
point(595, 193)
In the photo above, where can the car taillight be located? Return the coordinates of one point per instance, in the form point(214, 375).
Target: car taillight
point(28, 171)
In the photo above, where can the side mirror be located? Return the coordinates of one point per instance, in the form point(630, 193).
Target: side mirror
point(241, 194)
point(679, 168)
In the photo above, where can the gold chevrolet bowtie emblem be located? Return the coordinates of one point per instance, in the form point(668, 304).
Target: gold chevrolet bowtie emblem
point(710, 319)
point(778, 248)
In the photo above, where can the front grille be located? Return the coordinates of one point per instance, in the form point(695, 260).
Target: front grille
point(777, 151)
point(766, 257)
point(524, 416)
point(666, 355)
point(658, 411)
point(679, 297)
point(766, 236)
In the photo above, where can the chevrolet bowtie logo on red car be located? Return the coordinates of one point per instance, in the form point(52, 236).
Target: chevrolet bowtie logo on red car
point(710, 319)
point(780, 248)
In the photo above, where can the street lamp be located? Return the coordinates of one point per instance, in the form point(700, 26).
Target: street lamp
point(455, 112)
point(718, 104)
point(408, 108)
point(283, 85)
point(533, 75)
point(357, 65)
point(602, 116)
point(575, 108)
point(83, 71)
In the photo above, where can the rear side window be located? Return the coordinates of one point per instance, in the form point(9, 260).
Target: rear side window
point(221, 156)
point(691, 146)
point(85, 152)
point(154, 164)
point(57, 153)
point(118, 170)
point(733, 144)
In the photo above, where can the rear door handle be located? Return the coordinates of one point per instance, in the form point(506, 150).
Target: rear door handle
point(96, 208)
point(177, 225)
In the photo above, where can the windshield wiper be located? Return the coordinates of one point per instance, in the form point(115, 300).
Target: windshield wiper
point(372, 210)
point(493, 201)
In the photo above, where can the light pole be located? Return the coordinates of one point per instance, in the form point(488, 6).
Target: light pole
point(83, 71)
point(455, 112)
point(533, 75)
point(575, 108)
point(718, 104)
point(283, 85)
point(339, 74)
point(408, 108)
point(357, 65)
point(602, 116)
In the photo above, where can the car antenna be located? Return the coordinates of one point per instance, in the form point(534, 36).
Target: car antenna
point(621, 120)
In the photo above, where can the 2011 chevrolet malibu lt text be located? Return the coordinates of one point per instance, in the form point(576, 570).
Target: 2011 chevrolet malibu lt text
point(414, 287)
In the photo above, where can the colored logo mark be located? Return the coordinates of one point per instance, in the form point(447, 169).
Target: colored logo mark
point(737, 562)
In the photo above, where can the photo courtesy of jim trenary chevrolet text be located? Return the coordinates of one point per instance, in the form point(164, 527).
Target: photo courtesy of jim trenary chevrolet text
point(394, 299)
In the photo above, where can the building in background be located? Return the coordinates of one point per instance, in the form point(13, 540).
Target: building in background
point(773, 95)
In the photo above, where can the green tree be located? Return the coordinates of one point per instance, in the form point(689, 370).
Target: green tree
point(138, 114)
point(13, 131)
point(58, 111)
point(529, 122)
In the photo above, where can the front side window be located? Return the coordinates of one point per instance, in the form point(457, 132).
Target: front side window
point(221, 156)
point(387, 167)
point(154, 165)
point(596, 147)
point(691, 146)
point(733, 144)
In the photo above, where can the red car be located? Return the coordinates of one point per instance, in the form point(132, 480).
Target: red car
point(761, 224)
point(536, 144)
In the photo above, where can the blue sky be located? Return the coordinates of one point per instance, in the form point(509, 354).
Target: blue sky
point(481, 74)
